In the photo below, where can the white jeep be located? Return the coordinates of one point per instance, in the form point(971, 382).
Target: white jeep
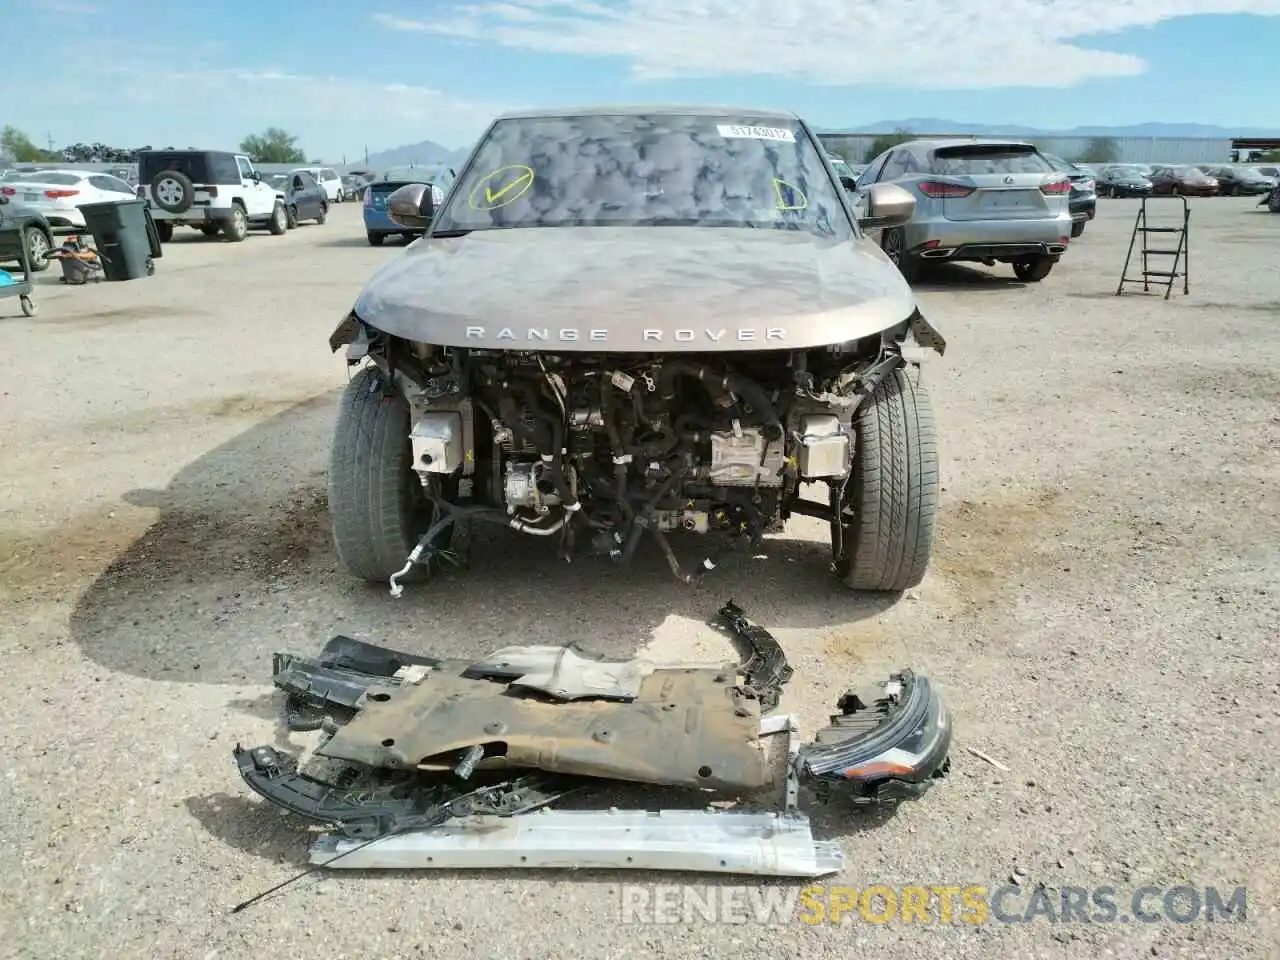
point(211, 190)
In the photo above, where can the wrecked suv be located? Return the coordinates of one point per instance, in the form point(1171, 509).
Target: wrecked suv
point(638, 321)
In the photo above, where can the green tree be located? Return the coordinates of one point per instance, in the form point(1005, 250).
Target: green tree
point(1271, 156)
point(1100, 150)
point(887, 141)
point(18, 147)
point(273, 145)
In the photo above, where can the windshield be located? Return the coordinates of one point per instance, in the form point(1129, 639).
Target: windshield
point(647, 170)
point(1191, 173)
point(439, 175)
point(978, 159)
point(842, 168)
point(65, 179)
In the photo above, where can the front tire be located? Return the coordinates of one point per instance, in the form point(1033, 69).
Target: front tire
point(375, 239)
point(885, 514)
point(164, 229)
point(1077, 228)
point(38, 246)
point(324, 214)
point(237, 228)
point(375, 499)
point(279, 223)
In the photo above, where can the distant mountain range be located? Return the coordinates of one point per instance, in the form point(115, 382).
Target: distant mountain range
point(936, 125)
point(430, 153)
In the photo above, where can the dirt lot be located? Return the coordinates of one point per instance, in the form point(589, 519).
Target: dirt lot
point(1101, 613)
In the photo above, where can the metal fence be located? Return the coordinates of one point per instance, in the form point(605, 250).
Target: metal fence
point(854, 146)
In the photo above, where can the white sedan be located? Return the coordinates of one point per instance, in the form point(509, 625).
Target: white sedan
point(58, 193)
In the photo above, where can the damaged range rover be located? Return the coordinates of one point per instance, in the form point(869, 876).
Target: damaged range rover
point(632, 321)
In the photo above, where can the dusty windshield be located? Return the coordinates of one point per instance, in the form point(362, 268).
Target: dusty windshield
point(646, 170)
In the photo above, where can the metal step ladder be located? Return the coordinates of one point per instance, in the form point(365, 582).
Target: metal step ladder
point(1175, 243)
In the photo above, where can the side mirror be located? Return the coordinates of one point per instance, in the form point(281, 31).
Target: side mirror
point(888, 205)
point(849, 183)
point(412, 206)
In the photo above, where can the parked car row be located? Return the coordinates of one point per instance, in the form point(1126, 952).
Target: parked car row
point(1183, 179)
point(220, 192)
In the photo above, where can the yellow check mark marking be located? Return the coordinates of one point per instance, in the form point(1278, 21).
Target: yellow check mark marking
point(491, 197)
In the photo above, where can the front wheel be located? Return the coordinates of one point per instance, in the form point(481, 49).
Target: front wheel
point(883, 517)
point(38, 247)
point(324, 213)
point(375, 239)
point(1077, 228)
point(279, 223)
point(292, 213)
point(1033, 270)
point(376, 501)
point(237, 228)
point(164, 230)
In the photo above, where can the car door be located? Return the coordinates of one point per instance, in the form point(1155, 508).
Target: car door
point(313, 193)
point(259, 196)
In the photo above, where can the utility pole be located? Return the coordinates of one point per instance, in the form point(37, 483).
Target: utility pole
point(48, 136)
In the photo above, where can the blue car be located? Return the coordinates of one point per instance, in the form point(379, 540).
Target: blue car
point(378, 226)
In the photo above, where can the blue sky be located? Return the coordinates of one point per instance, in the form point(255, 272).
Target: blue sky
point(383, 74)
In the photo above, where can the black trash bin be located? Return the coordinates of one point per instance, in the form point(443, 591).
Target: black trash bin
point(126, 237)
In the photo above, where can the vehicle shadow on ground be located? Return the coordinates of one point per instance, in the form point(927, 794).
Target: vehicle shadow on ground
point(950, 277)
point(354, 241)
point(240, 561)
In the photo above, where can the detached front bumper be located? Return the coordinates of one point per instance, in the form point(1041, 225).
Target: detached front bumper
point(882, 747)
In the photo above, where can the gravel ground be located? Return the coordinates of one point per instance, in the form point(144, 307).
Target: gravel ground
point(1101, 614)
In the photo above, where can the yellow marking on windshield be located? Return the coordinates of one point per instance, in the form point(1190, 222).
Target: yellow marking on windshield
point(508, 190)
point(779, 188)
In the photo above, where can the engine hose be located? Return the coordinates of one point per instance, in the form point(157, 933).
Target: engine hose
point(608, 413)
point(717, 386)
point(617, 447)
point(637, 529)
point(703, 569)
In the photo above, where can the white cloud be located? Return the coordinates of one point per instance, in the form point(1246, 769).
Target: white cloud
point(955, 44)
point(129, 100)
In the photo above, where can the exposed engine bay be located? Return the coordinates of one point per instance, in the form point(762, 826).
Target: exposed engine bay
point(598, 449)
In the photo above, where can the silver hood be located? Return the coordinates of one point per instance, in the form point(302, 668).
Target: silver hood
point(636, 289)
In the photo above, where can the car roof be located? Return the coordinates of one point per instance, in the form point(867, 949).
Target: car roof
point(75, 173)
point(179, 150)
point(936, 143)
point(638, 109)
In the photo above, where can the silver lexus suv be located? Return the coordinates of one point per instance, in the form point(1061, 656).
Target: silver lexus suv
point(976, 200)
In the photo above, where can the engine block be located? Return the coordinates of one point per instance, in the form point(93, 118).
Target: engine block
point(745, 458)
